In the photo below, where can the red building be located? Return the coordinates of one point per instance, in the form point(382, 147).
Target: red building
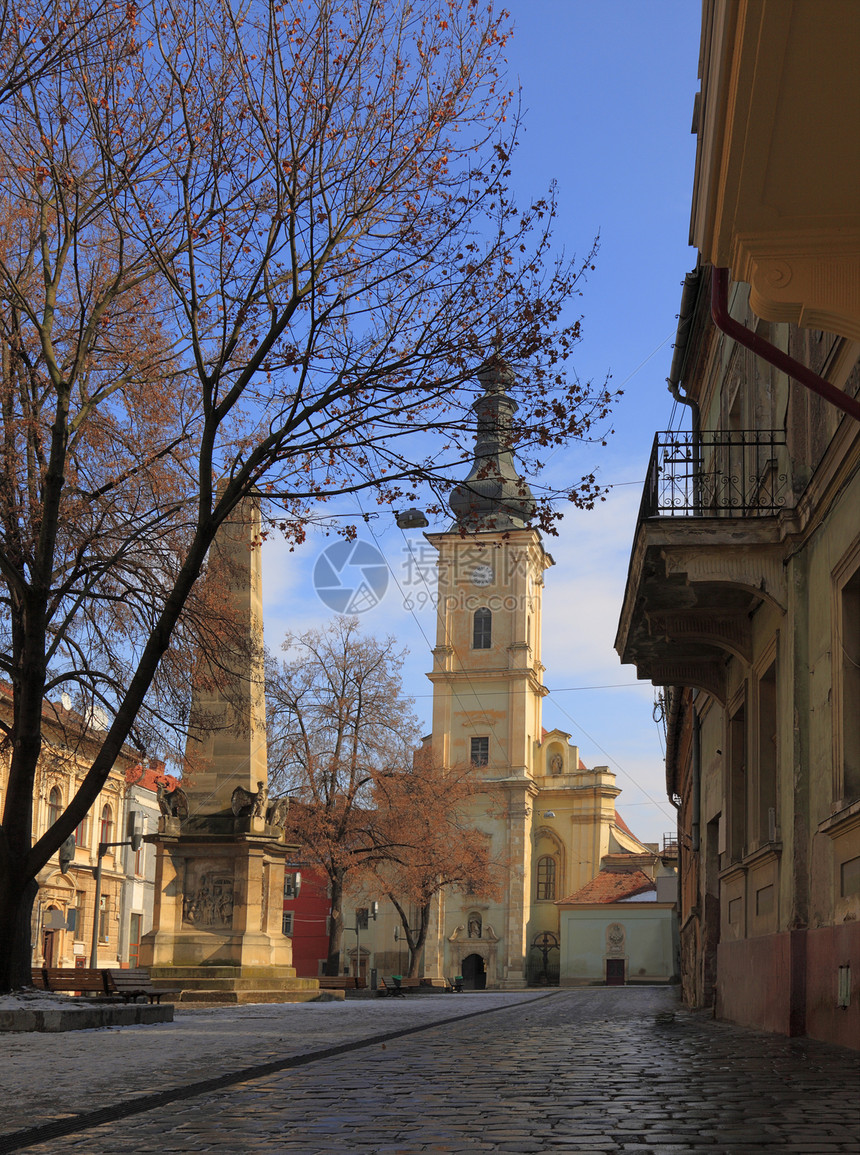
point(306, 912)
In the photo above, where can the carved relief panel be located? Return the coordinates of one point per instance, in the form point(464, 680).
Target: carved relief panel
point(207, 901)
point(615, 940)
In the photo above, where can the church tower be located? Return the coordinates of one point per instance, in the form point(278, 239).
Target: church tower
point(549, 820)
point(488, 680)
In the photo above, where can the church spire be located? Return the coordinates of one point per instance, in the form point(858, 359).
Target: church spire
point(493, 496)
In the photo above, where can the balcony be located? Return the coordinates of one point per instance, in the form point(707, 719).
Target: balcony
point(707, 552)
point(736, 473)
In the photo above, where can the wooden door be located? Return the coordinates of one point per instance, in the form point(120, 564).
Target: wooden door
point(615, 972)
point(134, 941)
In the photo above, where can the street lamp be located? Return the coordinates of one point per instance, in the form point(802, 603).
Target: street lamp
point(135, 843)
point(411, 519)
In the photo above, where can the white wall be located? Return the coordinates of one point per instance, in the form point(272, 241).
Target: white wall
point(649, 950)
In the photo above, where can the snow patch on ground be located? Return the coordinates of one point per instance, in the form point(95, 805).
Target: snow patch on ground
point(39, 1001)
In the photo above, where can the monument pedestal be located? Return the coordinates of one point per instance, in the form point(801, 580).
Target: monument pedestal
point(217, 933)
point(219, 884)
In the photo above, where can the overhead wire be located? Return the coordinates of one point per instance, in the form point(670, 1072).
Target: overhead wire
point(463, 671)
point(411, 611)
point(632, 685)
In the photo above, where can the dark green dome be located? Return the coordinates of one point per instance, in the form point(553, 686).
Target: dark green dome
point(493, 496)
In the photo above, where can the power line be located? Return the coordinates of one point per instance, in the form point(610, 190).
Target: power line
point(566, 689)
point(626, 773)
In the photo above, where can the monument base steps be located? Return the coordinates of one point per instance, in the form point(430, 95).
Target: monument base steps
point(232, 984)
point(240, 998)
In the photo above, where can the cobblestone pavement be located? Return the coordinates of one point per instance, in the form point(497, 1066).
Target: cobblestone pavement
point(595, 1070)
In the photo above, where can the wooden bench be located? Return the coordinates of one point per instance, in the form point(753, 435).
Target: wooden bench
point(84, 980)
point(396, 985)
point(132, 984)
point(111, 985)
point(341, 983)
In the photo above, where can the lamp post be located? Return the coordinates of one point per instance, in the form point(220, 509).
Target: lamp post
point(398, 938)
point(134, 842)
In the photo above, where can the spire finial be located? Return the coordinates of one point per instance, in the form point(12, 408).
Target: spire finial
point(493, 496)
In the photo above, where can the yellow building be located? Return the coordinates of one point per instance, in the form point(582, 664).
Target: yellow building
point(743, 592)
point(547, 817)
point(64, 910)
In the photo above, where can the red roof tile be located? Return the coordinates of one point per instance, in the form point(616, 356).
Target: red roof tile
point(610, 886)
point(150, 777)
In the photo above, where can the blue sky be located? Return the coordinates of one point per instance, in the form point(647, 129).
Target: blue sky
point(607, 88)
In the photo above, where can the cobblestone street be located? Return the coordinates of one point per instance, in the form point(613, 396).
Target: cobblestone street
point(591, 1070)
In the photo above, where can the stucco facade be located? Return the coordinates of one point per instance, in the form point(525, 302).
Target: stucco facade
point(64, 912)
point(640, 936)
point(621, 927)
point(744, 586)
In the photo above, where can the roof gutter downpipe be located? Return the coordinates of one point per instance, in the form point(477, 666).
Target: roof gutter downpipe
point(673, 381)
point(762, 348)
point(696, 800)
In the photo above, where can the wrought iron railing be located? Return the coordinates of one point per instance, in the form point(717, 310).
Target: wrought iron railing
point(732, 473)
point(543, 972)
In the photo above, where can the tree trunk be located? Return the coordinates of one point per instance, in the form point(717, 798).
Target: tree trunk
point(18, 857)
point(16, 909)
point(416, 944)
point(335, 934)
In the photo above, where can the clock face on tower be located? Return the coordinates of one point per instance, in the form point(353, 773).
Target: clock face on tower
point(482, 575)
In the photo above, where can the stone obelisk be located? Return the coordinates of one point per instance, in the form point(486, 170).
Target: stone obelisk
point(226, 744)
point(217, 918)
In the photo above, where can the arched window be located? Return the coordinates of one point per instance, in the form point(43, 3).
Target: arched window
point(482, 630)
point(106, 829)
point(546, 878)
point(55, 805)
point(82, 832)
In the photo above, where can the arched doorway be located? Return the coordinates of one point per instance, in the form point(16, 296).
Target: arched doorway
point(474, 973)
point(50, 939)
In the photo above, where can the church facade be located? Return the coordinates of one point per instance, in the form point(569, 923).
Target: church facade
point(547, 817)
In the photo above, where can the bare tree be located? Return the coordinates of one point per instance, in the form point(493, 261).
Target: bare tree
point(259, 243)
point(338, 723)
point(433, 845)
point(36, 35)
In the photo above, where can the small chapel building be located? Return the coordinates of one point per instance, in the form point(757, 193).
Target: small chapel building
point(546, 814)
